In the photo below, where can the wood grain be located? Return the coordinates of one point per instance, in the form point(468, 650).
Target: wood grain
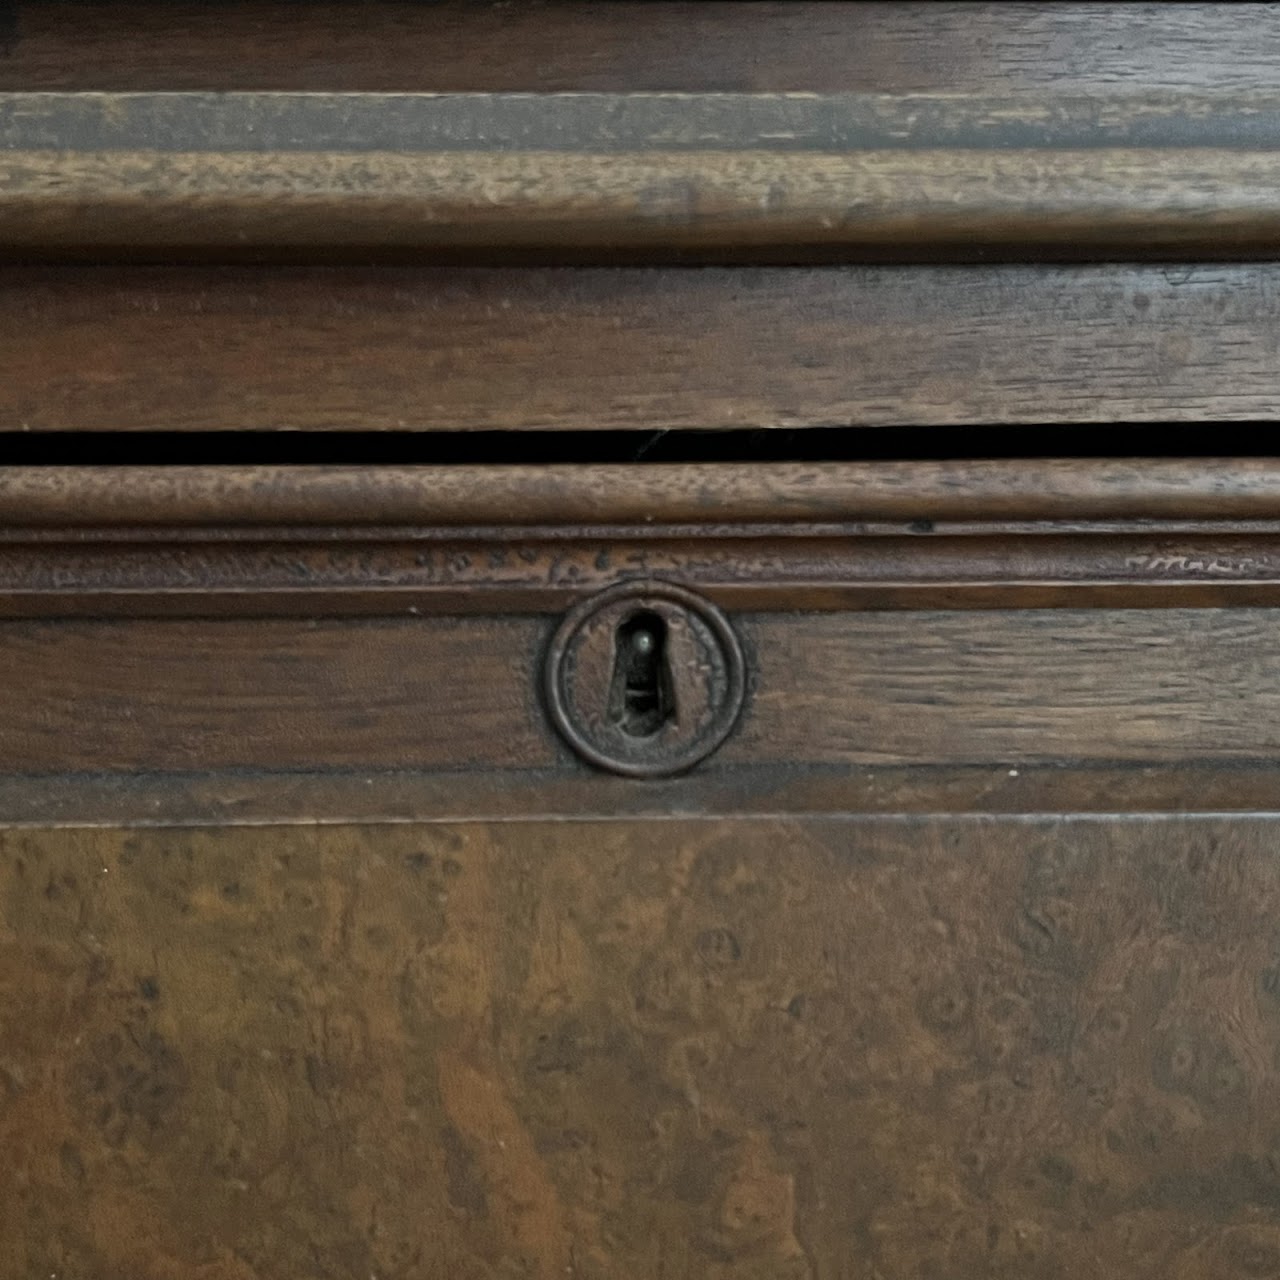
point(315, 797)
point(456, 349)
point(923, 206)
point(969, 490)
point(322, 956)
point(601, 177)
point(821, 46)
point(781, 1049)
point(921, 687)
point(270, 572)
point(200, 694)
point(871, 688)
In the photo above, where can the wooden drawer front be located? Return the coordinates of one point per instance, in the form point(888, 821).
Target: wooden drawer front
point(330, 621)
point(325, 954)
point(827, 689)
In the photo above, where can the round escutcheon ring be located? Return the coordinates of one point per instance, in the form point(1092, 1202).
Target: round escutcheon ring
point(710, 679)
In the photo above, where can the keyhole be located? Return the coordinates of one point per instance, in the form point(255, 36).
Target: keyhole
point(641, 698)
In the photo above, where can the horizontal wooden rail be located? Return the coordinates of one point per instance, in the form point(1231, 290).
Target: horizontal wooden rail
point(771, 177)
point(636, 495)
point(287, 541)
point(817, 46)
point(409, 349)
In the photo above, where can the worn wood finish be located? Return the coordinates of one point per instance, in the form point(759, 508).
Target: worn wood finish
point(918, 687)
point(322, 955)
point(460, 46)
point(203, 694)
point(280, 127)
point(344, 573)
point(791, 177)
point(975, 490)
point(299, 541)
point(789, 1049)
point(262, 798)
point(441, 349)
point(925, 206)
point(991, 568)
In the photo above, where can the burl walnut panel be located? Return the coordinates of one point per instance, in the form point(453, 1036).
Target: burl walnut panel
point(819, 1048)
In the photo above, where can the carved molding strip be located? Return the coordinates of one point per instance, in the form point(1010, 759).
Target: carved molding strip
point(877, 535)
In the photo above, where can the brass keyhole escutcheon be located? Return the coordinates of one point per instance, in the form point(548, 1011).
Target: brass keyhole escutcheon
point(645, 679)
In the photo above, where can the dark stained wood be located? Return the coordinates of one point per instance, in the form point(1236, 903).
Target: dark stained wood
point(300, 541)
point(322, 956)
point(229, 798)
point(773, 1049)
point(195, 695)
point(406, 349)
point(1009, 686)
point(864, 206)
point(256, 574)
point(917, 687)
point(969, 490)
point(595, 177)
point(714, 45)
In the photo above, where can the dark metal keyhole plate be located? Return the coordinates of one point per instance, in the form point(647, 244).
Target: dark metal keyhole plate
point(642, 697)
point(645, 679)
